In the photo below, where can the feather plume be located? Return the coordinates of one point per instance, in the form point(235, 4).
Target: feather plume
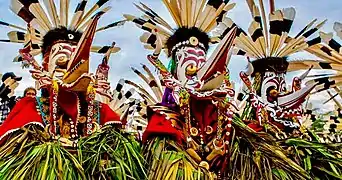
point(52, 10)
point(154, 83)
point(143, 92)
point(64, 12)
point(86, 23)
point(12, 25)
point(111, 25)
point(96, 6)
point(16, 36)
point(27, 16)
point(36, 9)
point(79, 11)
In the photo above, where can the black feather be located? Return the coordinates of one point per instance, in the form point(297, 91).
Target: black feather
point(273, 64)
point(59, 34)
point(184, 34)
point(215, 3)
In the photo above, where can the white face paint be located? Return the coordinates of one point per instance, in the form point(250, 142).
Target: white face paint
point(189, 61)
point(59, 57)
point(272, 81)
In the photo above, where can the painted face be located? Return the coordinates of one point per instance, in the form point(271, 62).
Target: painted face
point(59, 57)
point(272, 85)
point(189, 61)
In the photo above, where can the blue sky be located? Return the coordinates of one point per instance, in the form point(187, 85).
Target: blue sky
point(133, 53)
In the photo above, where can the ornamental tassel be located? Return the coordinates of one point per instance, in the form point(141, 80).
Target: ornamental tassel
point(53, 107)
point(185, 111)
point(91, 92)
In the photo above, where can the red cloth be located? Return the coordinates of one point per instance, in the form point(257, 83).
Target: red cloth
point(159, 126)
point(255, 126)
point(68, 102)
point(205, 114)
point(201, 109)
point(108, 116)
point(23, 113)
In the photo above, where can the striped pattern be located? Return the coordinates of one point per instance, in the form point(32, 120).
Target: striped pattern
point(131, 110)
point(152, 90)
point(205, 15)
point(330, 51)
point(262, 43)
point(45, 16)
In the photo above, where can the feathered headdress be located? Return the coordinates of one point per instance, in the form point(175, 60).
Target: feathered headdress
point(47, 24)
point(267, 41)
point(330, 51)
point(195, 19)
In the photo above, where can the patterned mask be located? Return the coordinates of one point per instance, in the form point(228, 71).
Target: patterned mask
point(272, 85)
point(189, 61)
point(59, 58)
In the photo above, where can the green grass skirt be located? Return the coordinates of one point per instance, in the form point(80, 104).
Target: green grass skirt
point(107, 154)
point(251, 156)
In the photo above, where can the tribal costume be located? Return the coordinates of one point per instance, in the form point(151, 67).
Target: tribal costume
point(268, 44)
point(330, 53)
point(274, 143)
point(195, 132)
point(65, 133)
point(188, 131)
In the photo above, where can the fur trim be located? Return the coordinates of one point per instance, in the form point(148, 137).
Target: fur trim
point(275, 64)
point(59, 34)
point(184, 34)
point(113, 122)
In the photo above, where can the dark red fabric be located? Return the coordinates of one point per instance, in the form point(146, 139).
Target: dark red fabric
point(279, 125)
point(255, 126)
point(108, 116)
point(67, 101)
point(23, 113)
point(205, 114)
point(159, 126)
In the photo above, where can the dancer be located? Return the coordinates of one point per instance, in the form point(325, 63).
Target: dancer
point(188, 132)
point(274, 113)
point(71, 135)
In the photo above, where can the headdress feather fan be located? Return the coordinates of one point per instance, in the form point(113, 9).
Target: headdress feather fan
point(330, 51)
point(44, 18)
point(192, 17)
point(268, 37)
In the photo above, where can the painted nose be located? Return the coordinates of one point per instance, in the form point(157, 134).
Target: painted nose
point(274, 93)
point(191, 70)
point(62, 61)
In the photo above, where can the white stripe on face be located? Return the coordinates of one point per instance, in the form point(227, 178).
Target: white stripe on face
point(189, 58)
point(59, 57)
point(272, 79)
